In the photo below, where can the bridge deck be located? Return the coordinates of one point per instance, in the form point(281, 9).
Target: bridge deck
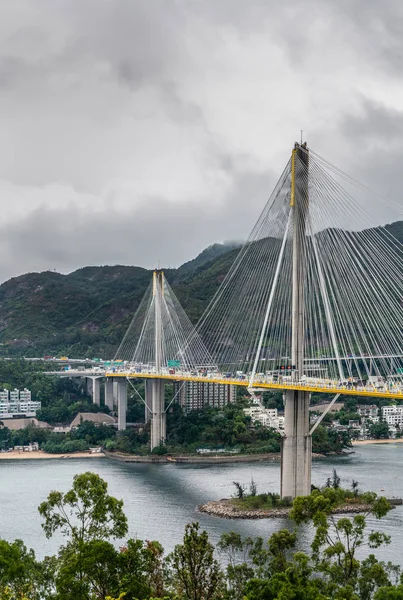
point(323, 387)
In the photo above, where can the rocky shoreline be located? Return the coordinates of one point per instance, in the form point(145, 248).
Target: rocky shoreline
point(197, 459)
point(226, 510)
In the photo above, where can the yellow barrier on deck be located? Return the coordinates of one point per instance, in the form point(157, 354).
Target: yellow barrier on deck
point(327, 388)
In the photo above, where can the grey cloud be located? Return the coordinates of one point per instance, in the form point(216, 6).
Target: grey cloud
point(156, 231)
point(376, 134)
point(375, 123)
point(174, 118)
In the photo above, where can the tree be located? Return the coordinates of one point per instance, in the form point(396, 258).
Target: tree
point(196, 573)
point(379, 431)
point(390, 592)
point(296, 582)
point(88, 517)
point(84, 513)
point(87, 570)
point(21, 574)
point(335, 480)
point(141, 570)
point(252, 488)
point(239, 568)
point(239, 490)
point(337, 540)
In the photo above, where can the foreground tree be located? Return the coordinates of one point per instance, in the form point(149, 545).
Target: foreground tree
point(142, 572)
point(84, 513)
point(338, 539)
point(196, 574)
point(89, 518)
point(21, 575)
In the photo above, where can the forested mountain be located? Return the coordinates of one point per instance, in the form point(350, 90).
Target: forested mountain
point(86, 313)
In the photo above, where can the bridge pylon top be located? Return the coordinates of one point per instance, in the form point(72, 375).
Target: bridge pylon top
point(161, 334)
point(317, 289)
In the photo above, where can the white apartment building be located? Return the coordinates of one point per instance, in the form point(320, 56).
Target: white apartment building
point(369, 411)
point(17, 402)
point(14, 395)
point(268, 417)
point(393, 415)
point(25, 395)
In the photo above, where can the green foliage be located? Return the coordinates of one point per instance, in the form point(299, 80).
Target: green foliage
point(239, 490)
point(21, 574)
point(84, 513)
point(196, 573)
point(213, 427)
point(88, 566)
point(264, 501)
point(379, 430)
point(328, 441)
point(160, 450)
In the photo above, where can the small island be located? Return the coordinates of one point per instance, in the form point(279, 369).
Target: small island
point(251, 505)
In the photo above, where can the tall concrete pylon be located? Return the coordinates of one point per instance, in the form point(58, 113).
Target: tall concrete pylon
point(158, 416)
point(296, 450)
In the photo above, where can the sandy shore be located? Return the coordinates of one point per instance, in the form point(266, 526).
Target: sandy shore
point(15, 455)
point(365, 442)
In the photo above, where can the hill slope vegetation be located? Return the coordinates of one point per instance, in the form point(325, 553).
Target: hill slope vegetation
point(86, 313)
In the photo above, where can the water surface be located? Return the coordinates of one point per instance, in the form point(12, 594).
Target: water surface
point(161, 499)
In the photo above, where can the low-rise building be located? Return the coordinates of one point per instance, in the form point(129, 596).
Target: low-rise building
point(33, 447)
point(268, 417)
point(393, 415)
point(369, 411)
point(17, 402)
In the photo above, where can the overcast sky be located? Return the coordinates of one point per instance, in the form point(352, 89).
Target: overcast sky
point(138, 131)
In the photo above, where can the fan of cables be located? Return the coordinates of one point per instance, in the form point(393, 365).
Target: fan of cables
point(349, 275)
point(161, 334)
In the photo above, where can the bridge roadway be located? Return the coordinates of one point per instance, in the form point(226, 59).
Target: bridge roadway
point(261, 383)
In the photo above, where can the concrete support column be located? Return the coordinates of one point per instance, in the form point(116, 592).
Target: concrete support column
point(109, 393)
point(94, 389)
point(122, 403)
point(148, 398)
point(158, 422)
point(296, 451)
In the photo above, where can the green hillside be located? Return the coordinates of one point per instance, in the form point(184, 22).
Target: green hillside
point(86, 313)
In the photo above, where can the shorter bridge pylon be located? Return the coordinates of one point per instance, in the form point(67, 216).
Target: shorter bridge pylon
point(162, 340)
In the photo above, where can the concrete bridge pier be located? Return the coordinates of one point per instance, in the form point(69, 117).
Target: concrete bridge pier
point(158, 417)
point(122, 403)
point(109, 397)
point(94, 389)
point(296, 450)
point(148, 395)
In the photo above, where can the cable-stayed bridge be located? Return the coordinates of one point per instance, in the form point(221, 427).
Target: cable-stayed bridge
point(312, 303)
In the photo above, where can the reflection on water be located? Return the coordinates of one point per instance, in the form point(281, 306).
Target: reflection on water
point(161, 499)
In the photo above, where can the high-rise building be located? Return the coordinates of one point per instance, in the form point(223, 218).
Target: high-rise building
point(194, 395)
